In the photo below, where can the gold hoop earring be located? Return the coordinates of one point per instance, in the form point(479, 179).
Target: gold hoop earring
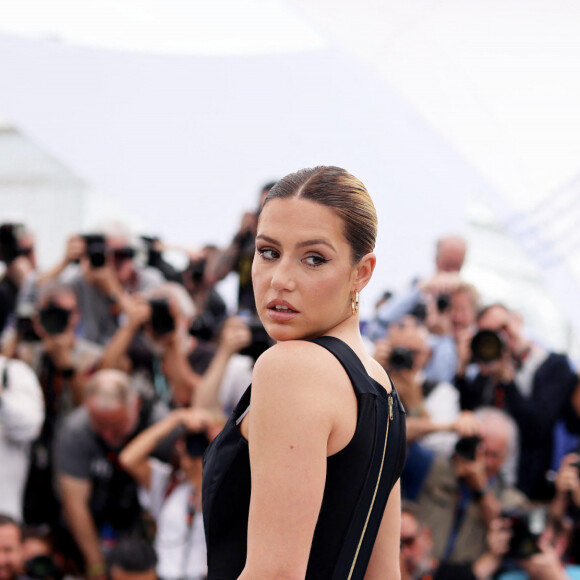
point(354, 303)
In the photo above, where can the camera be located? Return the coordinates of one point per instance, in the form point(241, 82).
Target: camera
point(197, 270)
point(162, 321)
point(443, 302)
point(196, 444)
point(486, 346)
point(53, 318)
point(10, 235)
point(96, 249)
point(419, 311)
point(204, 326)
point(466, 447)
point(42, 567)
point(527, 526)
point(401, 358)
point(153, 256)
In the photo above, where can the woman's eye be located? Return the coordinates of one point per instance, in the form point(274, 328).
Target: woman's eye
point(315, 260)
point(268, 253)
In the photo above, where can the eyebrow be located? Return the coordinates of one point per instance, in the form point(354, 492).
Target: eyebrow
point(311, 242)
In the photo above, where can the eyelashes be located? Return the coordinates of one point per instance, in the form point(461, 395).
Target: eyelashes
point(312, 260)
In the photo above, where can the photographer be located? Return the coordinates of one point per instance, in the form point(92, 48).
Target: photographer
point(228, 373)
point(542, 550)
point(238, 256)
point(566, 501)
point(11, 553)
point(211, 310)
point(460, 496)
point(433, 414)
point(173, 496)
point(17, 253)
point(59, 357)
point(530, 383)
point(99, 499)
point(172, 360)
point(419, 563)
point(63, 363)
point(449, 257)
point(107, 271)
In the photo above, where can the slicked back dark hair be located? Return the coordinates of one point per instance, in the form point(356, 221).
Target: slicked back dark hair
point(335, 188)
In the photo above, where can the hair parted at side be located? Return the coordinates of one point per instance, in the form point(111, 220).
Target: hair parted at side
point(336, 188)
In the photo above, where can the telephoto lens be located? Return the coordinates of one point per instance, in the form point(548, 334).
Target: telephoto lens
point(486, 346)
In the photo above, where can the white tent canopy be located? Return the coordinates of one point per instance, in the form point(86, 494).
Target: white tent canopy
point(181, 110)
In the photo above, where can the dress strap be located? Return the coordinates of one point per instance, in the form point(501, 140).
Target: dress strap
point(360, 379)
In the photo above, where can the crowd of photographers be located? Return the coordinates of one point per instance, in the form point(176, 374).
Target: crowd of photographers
point(117, 369)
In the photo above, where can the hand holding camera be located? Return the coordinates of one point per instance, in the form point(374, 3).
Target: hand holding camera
point(75, 249)
point(441, 283)
point(467, 426)
point(235, 335)
point(568, 478)
point(469, 464)
point(137, 310)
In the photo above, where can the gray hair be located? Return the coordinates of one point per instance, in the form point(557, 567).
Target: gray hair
point(109, 388)
point(496, 420)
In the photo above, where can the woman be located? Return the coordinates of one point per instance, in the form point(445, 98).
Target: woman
point(322, 448)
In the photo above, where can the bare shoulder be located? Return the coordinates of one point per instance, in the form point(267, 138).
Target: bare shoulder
point(297, 360)
point(298, 377)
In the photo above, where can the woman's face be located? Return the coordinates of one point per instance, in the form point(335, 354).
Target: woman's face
point(302, 273)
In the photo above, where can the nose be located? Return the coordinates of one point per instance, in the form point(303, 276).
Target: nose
point(283, 276)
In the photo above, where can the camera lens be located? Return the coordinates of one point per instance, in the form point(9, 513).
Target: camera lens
point(486, 346)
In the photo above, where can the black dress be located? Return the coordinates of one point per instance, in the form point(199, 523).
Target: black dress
point(358, 482)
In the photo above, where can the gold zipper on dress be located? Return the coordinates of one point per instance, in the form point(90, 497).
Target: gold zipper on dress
point(389, 419)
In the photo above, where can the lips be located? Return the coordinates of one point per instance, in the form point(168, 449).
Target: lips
point(281, 311)
point(281, 306)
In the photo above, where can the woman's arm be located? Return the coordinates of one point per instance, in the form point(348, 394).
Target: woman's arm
point(384, 562)
point(290, 423)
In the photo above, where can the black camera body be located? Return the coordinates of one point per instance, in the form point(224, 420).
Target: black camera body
point(162, 321)
point(196, 444)
point(53, 318)
point(443, 302)
point(486, 346)
point(10, 235)
point(401, 358)
point(527, 526)
point(96, 249)
point(197, 271)
point(466, 447)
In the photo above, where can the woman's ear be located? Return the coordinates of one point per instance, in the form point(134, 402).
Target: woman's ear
point(364, 271)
